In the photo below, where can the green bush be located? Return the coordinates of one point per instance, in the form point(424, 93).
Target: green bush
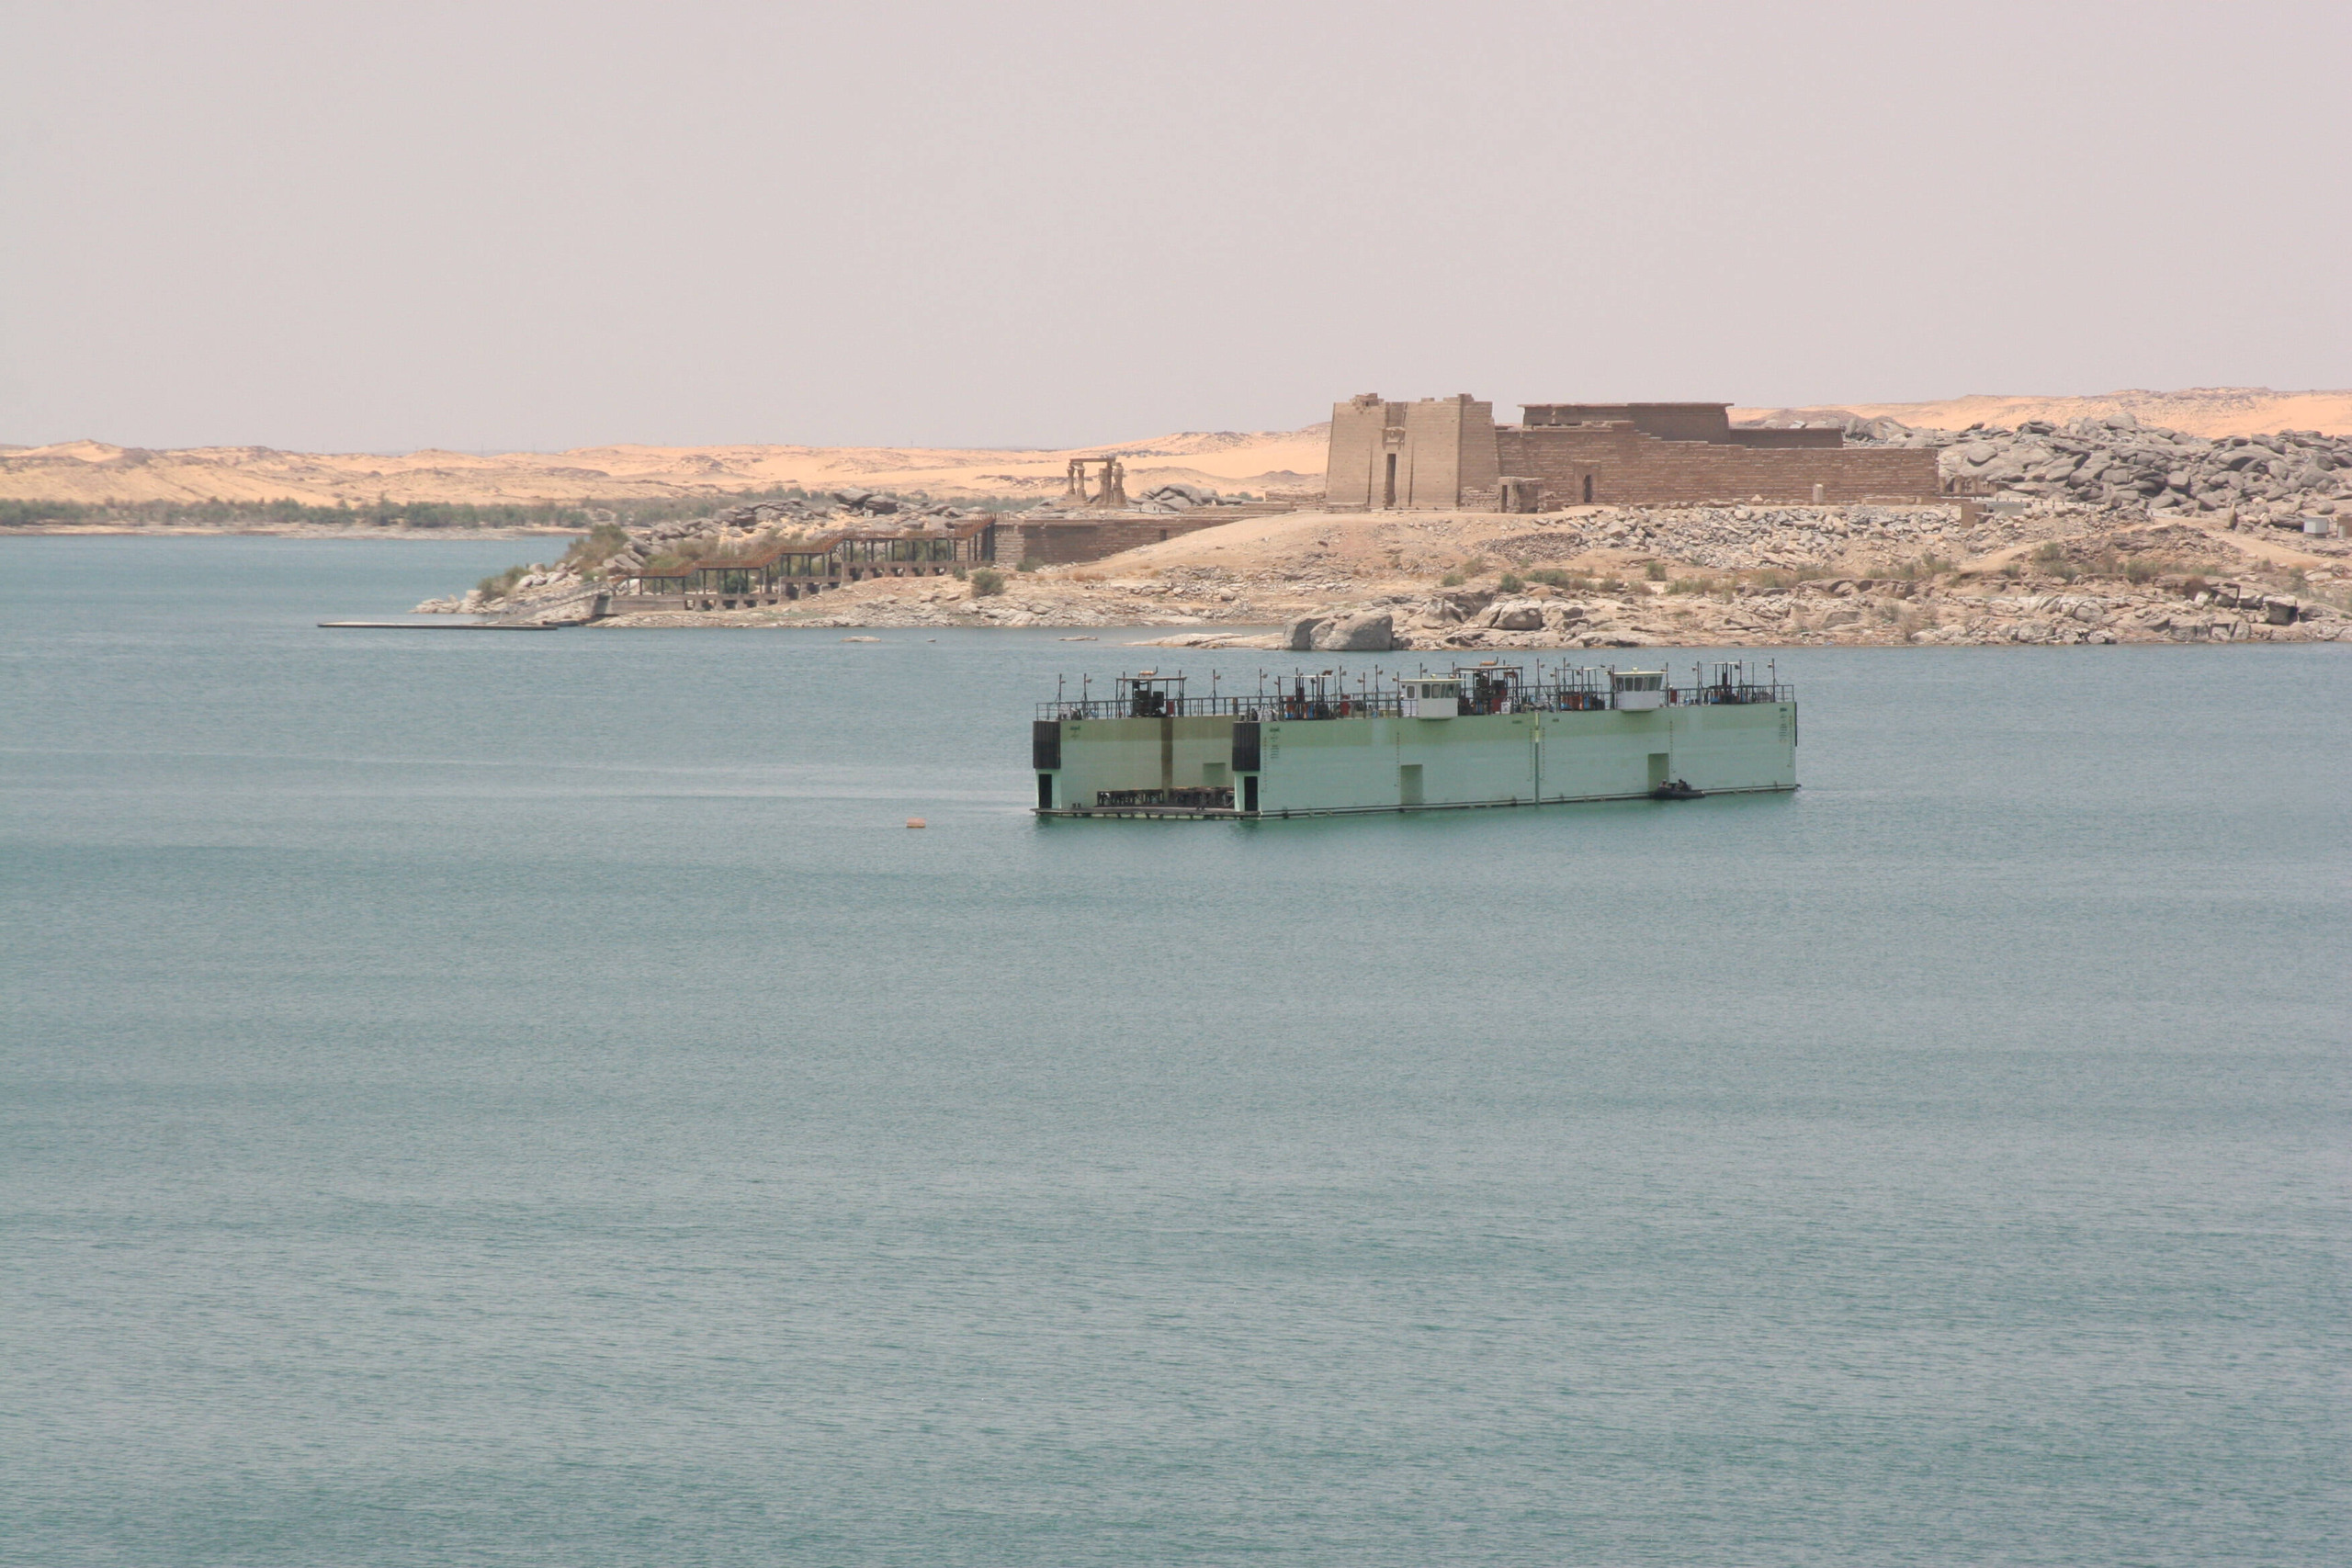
point(987, 582)
point(1029, 563)
point(1511, 584)
point(1655, 571)
point(501, 584)
point(1451, 580)
point(592, 549)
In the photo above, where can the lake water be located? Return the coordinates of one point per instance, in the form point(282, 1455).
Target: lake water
point(503, 1098)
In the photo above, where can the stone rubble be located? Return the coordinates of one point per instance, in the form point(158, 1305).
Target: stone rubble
point(733, 529)
point(2274, 480)
point(1175, 498)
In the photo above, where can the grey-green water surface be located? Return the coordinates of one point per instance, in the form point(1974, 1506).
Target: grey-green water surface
point(474, 1099)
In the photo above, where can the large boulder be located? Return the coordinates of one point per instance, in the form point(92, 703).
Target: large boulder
point(1300, 637)
point(1513, 616)
point(1371, 631)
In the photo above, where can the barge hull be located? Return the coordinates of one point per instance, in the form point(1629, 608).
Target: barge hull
point(1287, 767)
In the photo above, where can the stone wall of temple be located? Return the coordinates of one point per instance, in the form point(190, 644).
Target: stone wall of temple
point(1447, 452)
point(1627, 467)
point(1066, 541)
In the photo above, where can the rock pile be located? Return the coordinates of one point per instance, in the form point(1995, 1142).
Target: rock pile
point(843, 508)
point(731, 529)
point(1176, 498)
point(2117, 463)
point(1738, 538)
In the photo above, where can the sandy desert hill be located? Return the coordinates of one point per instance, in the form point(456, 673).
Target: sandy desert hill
point(94, 473)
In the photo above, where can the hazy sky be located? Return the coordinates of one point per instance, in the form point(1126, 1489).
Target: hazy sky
point(479, 225)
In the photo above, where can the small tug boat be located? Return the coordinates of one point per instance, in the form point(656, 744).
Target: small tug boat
point(1479, 735)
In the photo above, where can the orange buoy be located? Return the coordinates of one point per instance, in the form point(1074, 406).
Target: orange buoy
point(916, 822)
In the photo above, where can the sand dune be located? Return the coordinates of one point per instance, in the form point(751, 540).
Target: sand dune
point(96, 472)
point(93, 471)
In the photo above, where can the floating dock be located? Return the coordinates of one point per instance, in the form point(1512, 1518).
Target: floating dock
point(1330, 743)
point(441, 626)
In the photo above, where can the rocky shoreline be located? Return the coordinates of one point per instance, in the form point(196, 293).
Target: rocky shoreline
point(2101, 531)
point(2052, 573)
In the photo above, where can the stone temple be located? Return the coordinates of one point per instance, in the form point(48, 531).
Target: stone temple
point(1448, 453)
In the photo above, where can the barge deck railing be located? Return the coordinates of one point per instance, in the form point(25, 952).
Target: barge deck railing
point(1484, 689)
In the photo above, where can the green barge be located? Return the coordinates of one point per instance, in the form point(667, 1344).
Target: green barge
point(1479, 735)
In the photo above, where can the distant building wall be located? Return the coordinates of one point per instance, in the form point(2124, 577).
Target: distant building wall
point(1351, 471)
point(1417, 456)
point(1677, 422)
point(1627, 466)
point(1066, 541)
point(1444, 453)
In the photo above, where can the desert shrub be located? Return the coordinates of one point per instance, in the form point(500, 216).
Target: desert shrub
point(499, 585)
point(1686, 585)
point(1512, 584)
point(2052, 552)
point(987, 582)
point(1474, 567)
point(592, 550)
point(1029, 563)
point(1614, 585)
point(1655, 571)
point(1451, 580)
point(2138, 569)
